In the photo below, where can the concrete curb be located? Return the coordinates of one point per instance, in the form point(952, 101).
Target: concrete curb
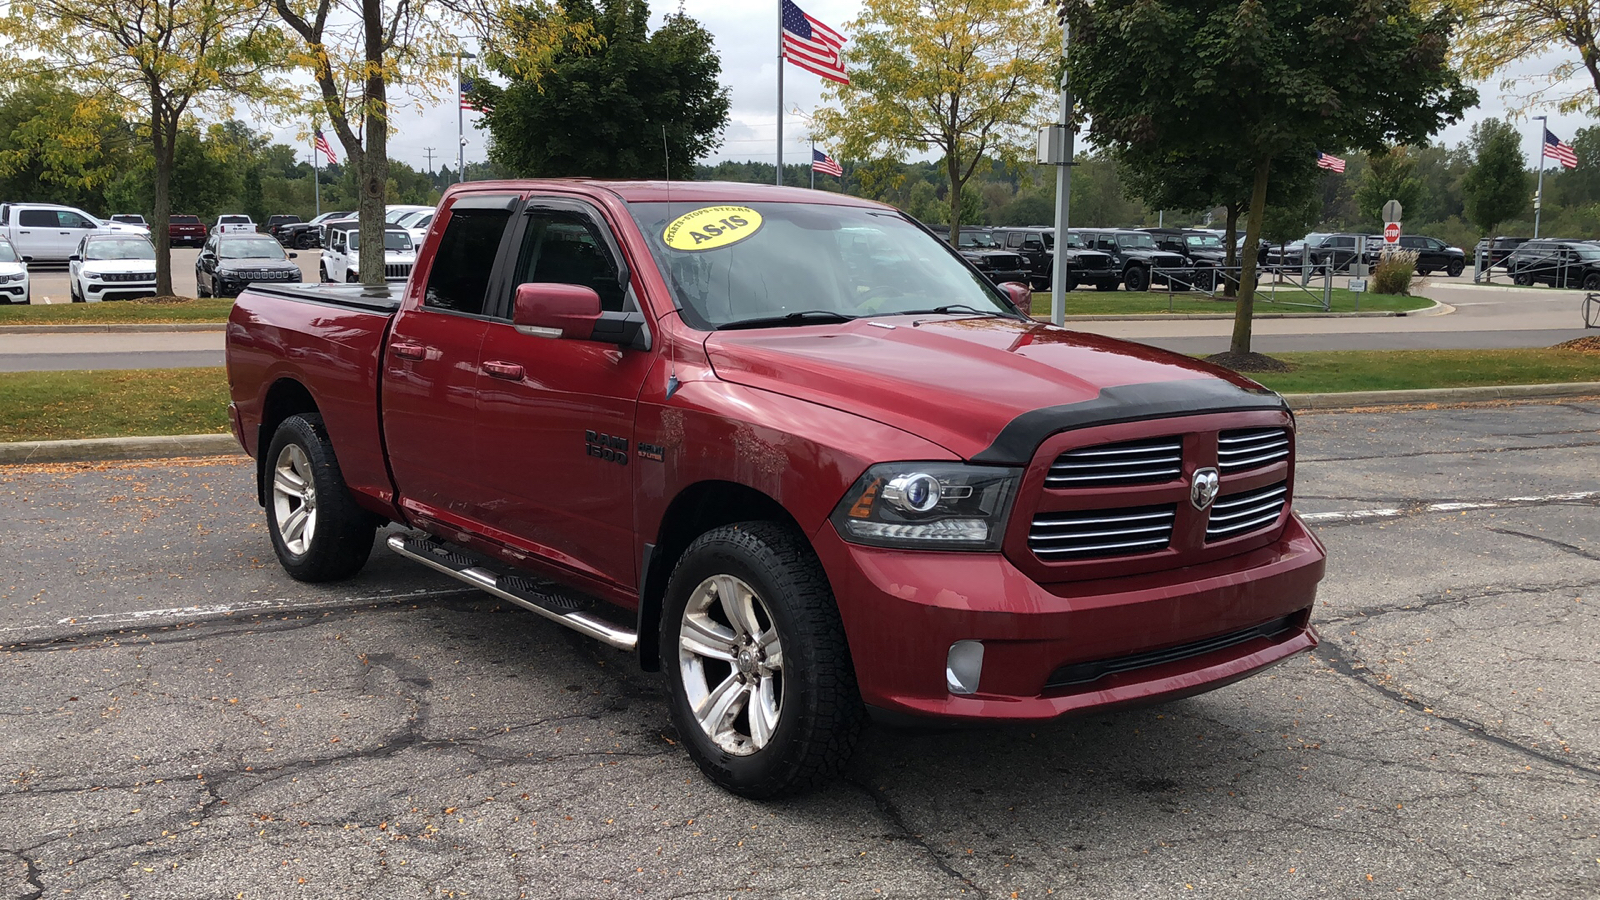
point(1437, 309)
point(94, 449)
point(97, 449)
point(114, 327)
point(1355, 399)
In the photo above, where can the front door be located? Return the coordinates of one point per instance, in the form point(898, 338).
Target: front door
point(555, 418)
point(430, 366)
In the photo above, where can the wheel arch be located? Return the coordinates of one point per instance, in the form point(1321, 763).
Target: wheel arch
point(696, 509)
point(284, 398)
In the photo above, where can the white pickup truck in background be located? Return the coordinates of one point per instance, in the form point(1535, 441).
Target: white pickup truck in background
point(233, 225)
point(49, 232)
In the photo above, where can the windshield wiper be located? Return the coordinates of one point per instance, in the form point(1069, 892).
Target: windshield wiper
point(794, 318)
point(949, 309)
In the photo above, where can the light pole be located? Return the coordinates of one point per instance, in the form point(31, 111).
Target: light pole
point(461, 125)
point(1538, 192)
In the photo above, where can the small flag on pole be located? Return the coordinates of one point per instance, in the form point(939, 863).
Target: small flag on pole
point(812, 45)
point(1559, 151)
point(1331, 163)
point(322, 146)
point(466, 102)
point(825, 164)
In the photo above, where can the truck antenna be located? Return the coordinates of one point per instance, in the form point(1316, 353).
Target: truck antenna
point(672, 352)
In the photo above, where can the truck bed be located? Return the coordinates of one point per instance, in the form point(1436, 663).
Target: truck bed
point(384, 299)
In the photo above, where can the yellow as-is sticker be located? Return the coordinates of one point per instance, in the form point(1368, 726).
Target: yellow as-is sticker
point(711, 227)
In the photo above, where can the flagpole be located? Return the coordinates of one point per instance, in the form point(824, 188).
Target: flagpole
point(1538, 192)
point(813, 164)
point(461, 137)
point(780, 180)
point(316, 176)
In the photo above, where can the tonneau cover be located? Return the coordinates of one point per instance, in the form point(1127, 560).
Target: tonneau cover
point(384, 299)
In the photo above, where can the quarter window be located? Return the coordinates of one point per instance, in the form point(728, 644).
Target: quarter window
point(38, 218)
point(458, 280)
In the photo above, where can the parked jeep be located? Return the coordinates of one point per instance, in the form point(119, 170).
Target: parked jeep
point(1204, 250)
point(1036, 245)
point(981, 247)
point(1136, 257)
point(341, 261)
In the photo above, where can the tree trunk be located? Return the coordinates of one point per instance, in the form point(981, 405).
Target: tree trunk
point(163, 144)
point(372, 170)
point(1244, 312)
point(1230, 236)
point(955, 199)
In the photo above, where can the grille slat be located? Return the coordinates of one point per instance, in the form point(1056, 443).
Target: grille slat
point(1154, 460)
point(1131, 531)
point(1242, 513)
point(1250, 448)
point(1089, 672)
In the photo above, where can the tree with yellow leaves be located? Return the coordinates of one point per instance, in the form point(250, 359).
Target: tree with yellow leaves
point(967, 78)
point(1497, 33)
point(156, 60)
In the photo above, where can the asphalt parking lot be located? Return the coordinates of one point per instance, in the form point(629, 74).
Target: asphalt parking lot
point(178, 719)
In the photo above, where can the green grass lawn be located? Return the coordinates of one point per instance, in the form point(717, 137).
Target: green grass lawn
point(1380, 370)
point(187, 310)
point(1091, 302)
point(36, 406)
point(46, 406)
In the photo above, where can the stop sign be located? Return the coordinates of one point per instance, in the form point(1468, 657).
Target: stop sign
point(1391, 233)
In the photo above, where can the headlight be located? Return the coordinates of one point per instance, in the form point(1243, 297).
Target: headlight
point(92, 276)
point(943, 506)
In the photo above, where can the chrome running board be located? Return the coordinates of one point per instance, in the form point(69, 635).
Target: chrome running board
point(546, 598)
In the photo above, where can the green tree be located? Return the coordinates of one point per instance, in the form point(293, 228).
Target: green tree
point(156, 58)
point(1201, 77)
point(1497, 34)
point(1496, 186)
point(964, 78)
point(1392, 175)
point(58, 144)
point(603, 109)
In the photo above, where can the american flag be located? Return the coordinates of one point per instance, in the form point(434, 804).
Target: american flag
point(812, 45)
point(466, 102)
point(825, 164)
point(1331, 163)
point(1559, 151)
point(322, 146)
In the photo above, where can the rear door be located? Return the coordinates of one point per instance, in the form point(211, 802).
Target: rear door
point(555, 416)
point(430, 366)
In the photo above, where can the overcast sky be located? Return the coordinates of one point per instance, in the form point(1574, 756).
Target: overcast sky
point(746, 37)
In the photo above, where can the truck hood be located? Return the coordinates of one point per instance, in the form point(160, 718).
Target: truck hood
point(961, 382)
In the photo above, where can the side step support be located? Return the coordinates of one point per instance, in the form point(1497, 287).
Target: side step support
point(544, 598)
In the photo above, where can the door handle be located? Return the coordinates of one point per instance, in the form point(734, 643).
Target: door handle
point(508, 371)
point(408, 350)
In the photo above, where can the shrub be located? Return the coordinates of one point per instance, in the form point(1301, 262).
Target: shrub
point(1392, 274)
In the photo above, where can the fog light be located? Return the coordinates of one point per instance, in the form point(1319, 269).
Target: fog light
point(963, 667)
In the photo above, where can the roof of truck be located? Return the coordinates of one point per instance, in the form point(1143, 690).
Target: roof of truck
point(679, 191)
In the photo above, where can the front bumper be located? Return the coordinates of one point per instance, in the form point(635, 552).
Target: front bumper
point(1001, 276)
point(903, 610)
point(118, 290)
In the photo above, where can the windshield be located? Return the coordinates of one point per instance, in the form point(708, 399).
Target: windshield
point(8, 253)
point(256, 248)
point(978, 239)
point(1136, 242)
point(1203, 242)
point(393, 241)
point(185, 220)
point(1587, 252)
point(120, 249)
point(764, 260)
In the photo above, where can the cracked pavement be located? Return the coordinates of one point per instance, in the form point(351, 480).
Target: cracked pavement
point(397, 736)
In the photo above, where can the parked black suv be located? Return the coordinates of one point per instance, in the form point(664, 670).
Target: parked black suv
point(1558, 263)
point(1206, 252)
point(1495, 251)
point(1433, 255)
point(1340, 248)
point(981, 247)
point(1135, 257)
point(1036, 244)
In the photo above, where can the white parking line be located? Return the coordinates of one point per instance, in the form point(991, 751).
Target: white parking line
point(223, 610)
point(1392, 512)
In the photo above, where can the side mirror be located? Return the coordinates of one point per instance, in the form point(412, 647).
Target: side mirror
point(75, 258)
point(1020, 295)
point(556, 310)
point(294, 256)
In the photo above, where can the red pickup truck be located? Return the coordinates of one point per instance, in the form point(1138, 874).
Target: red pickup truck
point(789, 448)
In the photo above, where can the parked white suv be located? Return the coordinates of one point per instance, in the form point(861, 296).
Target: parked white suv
point(341, 258)
point(49, 232)
point(112, 267)
point(233, 225)
point(14, 286)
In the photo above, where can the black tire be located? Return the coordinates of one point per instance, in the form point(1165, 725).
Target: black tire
point(820, 714)
point(1205, 280)
point(1424, 272)
point(1522, 278)
point(302, 242)
point(1136, 278)
point(1105, 285)
point(1071, 285)
point(322, 273)
point(341, 532)
point(1591, 282)
point(1455, 268)
point(199, 288)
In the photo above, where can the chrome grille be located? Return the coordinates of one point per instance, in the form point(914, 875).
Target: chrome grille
point(1101, 532)
point(1133, 462)
point(397, 270)
point(1245, 512)
point(1250, 448)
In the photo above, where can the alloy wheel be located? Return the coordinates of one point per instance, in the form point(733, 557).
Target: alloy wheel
point(294, 499)
point(731, 662)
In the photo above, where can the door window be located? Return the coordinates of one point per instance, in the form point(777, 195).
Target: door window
point(458, 280)
point(1014, 240)
point(561, 247)
point(70, 219)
